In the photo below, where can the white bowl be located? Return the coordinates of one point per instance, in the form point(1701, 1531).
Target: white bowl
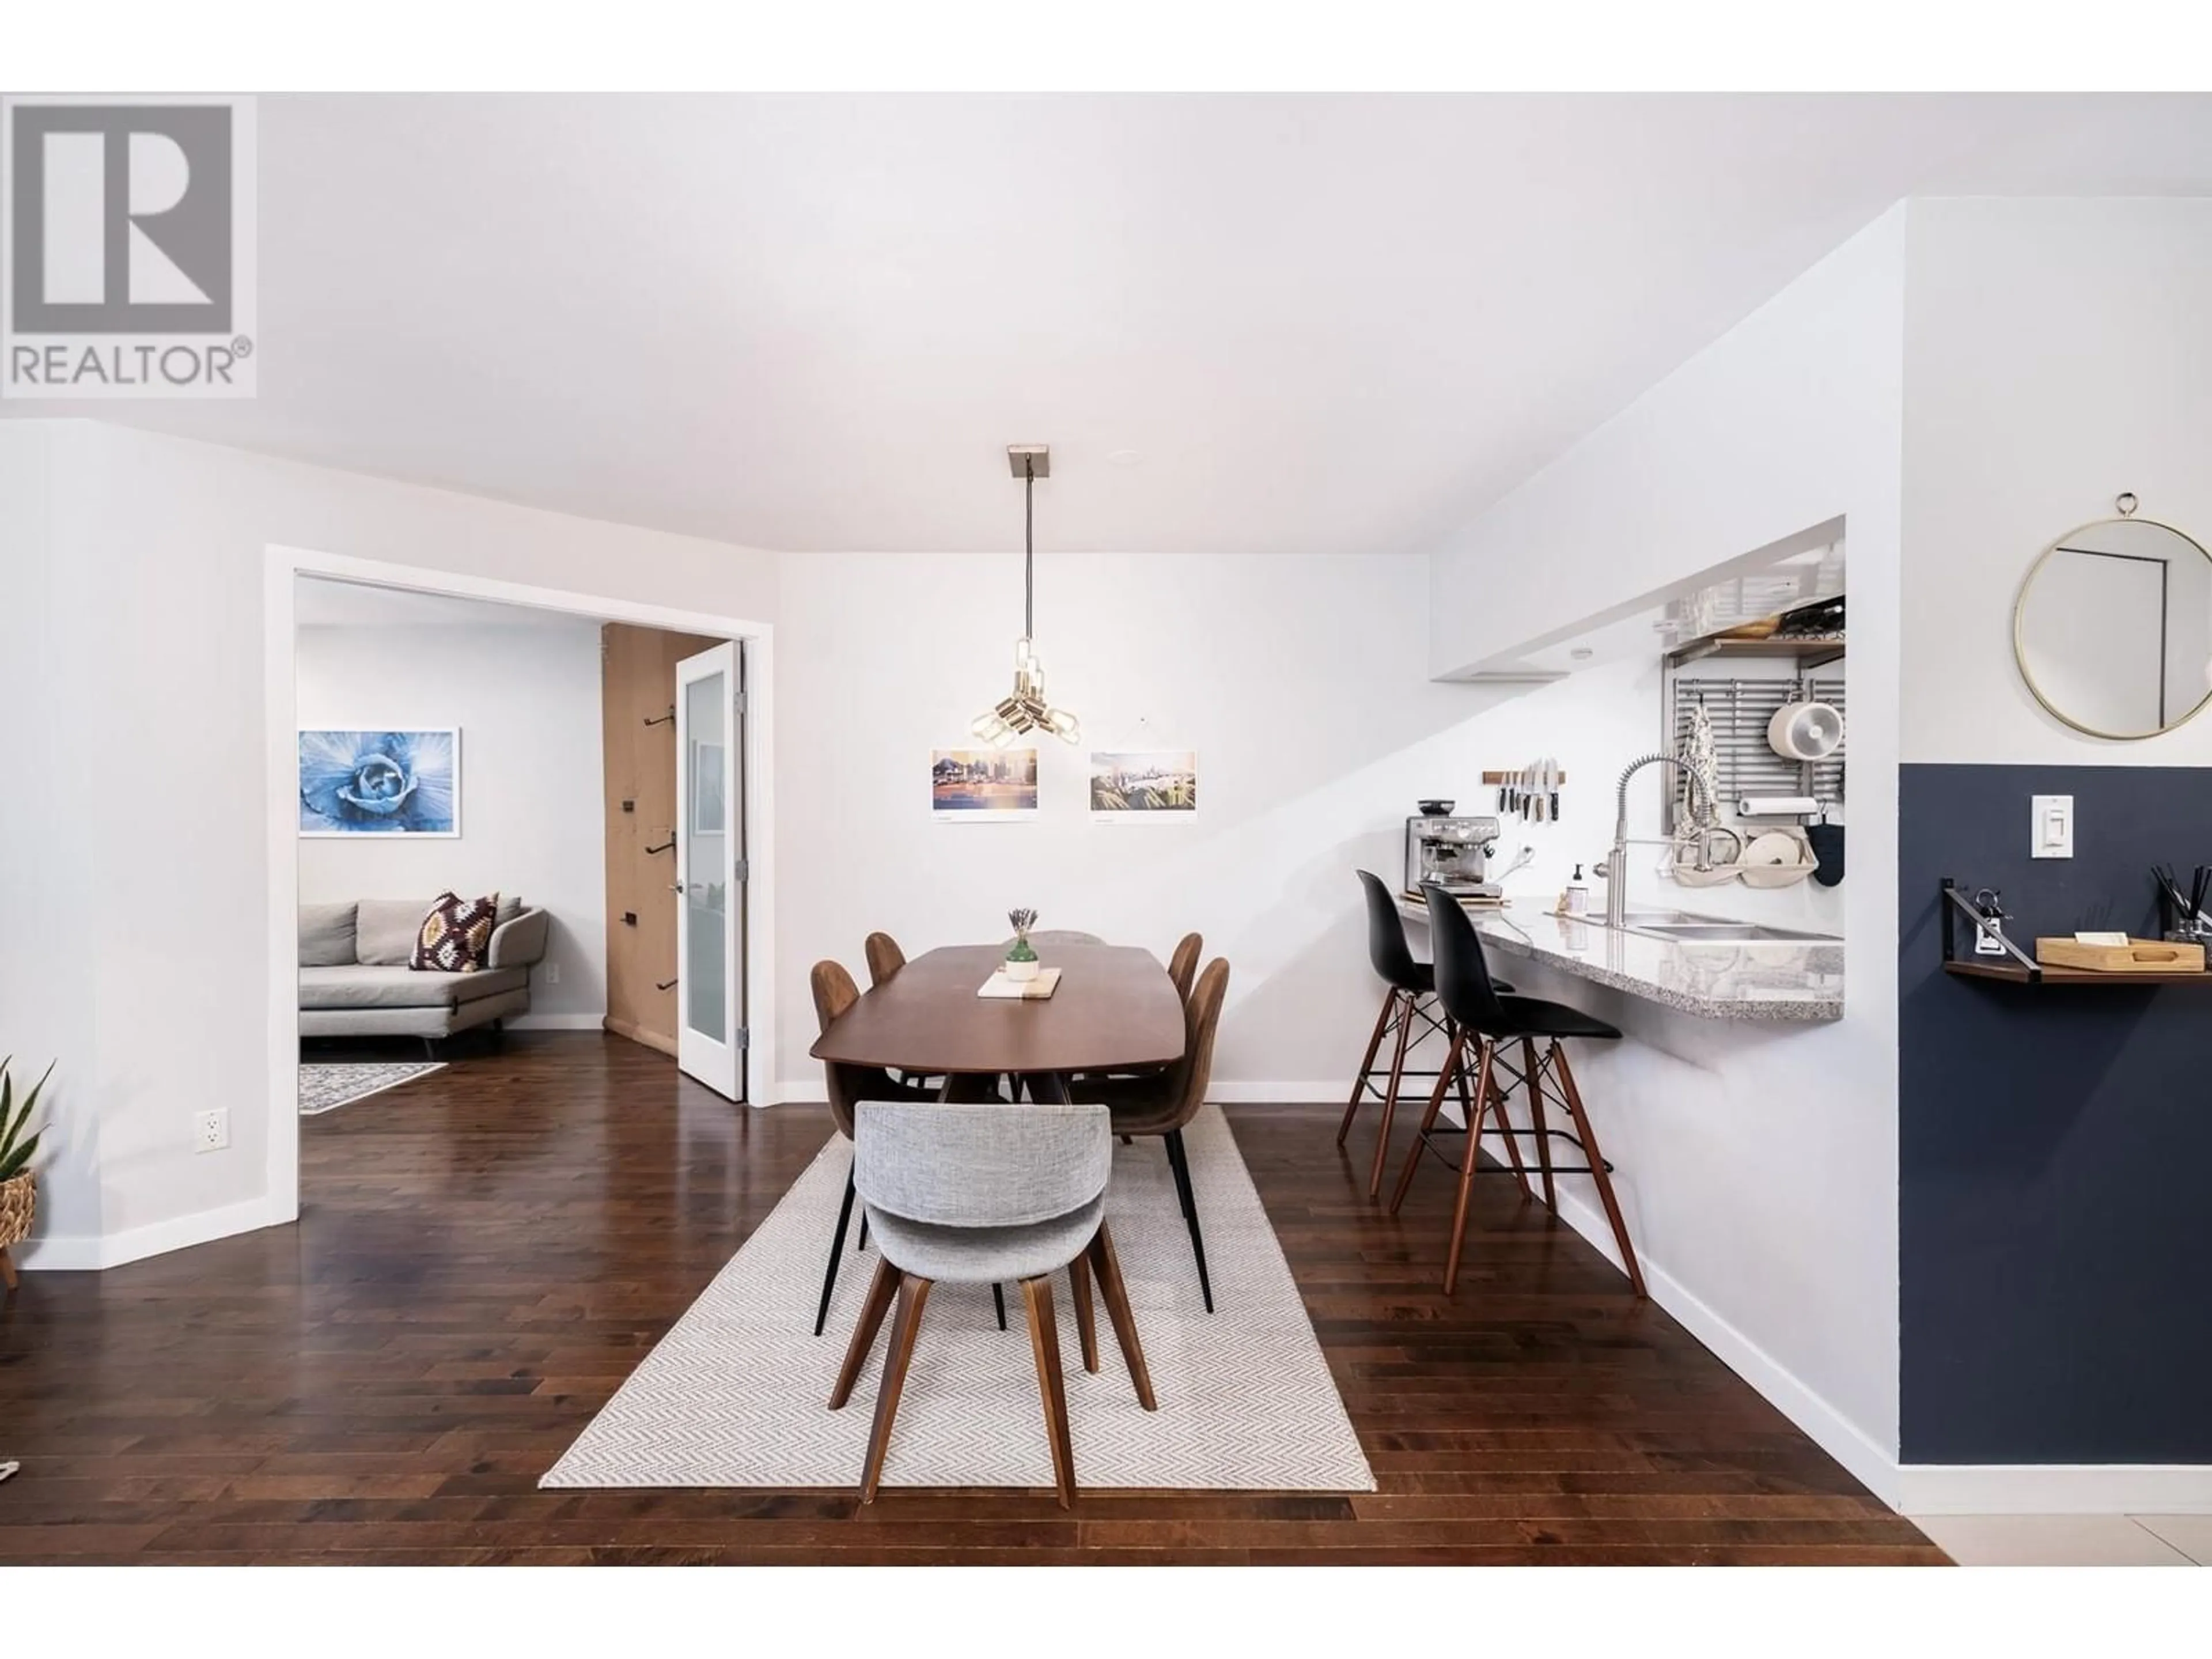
point(1020, 970)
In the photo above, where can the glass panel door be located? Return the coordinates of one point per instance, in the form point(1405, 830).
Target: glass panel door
point(709, 1041)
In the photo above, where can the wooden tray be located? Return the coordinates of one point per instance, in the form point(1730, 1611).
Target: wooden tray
point(2137, 956)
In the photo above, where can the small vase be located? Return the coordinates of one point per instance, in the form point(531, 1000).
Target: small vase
point(1021, 970)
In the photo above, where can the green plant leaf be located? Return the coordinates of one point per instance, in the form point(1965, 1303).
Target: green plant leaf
point(17, 1161)
point(9, 1130)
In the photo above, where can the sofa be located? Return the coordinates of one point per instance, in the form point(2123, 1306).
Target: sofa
point(355, 980)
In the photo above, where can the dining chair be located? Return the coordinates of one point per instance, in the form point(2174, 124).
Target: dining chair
point(1162, 1104)
point(1408, 1010)
point(1485, 1018)
point(845, 1087)
point(967, 1195)
point(885, 959)
point(1183, 963)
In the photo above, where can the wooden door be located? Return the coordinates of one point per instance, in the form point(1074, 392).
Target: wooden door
point(637, 705)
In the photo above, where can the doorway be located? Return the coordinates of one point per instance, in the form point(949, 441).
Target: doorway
point(741, 767)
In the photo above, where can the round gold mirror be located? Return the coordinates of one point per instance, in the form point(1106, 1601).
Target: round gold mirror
point(2113, 627)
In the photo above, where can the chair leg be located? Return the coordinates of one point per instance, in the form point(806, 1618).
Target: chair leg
point(1367, 1063)
point(1390, 1095)
point(861, 1249)
point(881, 1290)
point(998, 1301)
point(1086, 1321)
point(1535, 1082)
point(1108, 1267)
point(1596, 1159)
point(913, 1294)
point(1451, 1069)
point(1466, 1179)
point(837, 1250)
point(1512, 1140)
point(1179, 1157)
point(1044, 1342)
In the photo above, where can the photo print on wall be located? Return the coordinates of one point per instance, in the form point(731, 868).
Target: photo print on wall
point(973, 786)
point(1144, 783)
point(381, 782)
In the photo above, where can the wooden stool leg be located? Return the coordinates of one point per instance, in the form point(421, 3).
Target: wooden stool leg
point(1429, 1118)
point(1367, 1063)
point(1108, 1265)
point(1596, 1159)
point(1086, 1321)
point(913, 1293)
point(881, 1290)
point(1512, 1140)
point(1390, 1095)
point(1536, 1118)
point(8, 1279)
point(1465, 1180)
point(1044, 1341)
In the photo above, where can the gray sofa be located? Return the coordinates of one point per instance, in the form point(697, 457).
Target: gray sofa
point(355, 980)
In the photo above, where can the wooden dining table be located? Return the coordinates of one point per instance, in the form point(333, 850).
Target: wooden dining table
point(1115, 1010)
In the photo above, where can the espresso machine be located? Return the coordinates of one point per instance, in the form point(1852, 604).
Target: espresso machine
point(1451, 852)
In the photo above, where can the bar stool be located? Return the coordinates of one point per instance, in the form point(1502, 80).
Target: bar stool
point(1410, 991)
point(1477, 1012)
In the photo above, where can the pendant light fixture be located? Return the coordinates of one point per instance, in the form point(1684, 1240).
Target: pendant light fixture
point(1026, 709)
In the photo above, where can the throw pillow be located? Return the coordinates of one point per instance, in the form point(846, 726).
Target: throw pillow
point(455, 937)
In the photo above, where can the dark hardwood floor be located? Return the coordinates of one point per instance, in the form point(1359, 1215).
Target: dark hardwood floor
point(485, 1253)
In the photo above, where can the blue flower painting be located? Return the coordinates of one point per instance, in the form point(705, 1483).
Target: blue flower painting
point(380, 783)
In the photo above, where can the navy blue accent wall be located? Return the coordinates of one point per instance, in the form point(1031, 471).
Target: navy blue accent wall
point(2055, 1145)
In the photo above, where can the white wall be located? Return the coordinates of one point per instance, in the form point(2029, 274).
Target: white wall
point(525, 695)
point(2058, 352)
point(1760, 1165)
point(154, 832)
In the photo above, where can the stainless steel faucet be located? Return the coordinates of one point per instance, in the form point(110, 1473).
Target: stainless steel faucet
point(1615, 867)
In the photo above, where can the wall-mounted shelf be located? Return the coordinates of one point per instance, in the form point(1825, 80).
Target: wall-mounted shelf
point(2014, 973)
point(1813, 650)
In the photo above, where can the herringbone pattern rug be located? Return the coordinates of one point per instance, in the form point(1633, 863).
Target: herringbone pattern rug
point(734, 1394)
point(327, 1086)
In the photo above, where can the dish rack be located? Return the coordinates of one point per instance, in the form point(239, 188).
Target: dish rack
point(1744, 763)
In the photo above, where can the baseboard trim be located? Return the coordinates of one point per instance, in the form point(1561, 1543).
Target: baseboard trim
point(557, 1022)
point(156, 1238)
point(1835, 1434)
point(2055, 1488)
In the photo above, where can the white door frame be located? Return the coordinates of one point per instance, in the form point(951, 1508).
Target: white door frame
point(283, 567)
point(719, 1064)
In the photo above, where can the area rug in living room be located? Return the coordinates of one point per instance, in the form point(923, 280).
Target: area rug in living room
point(324, 1088)
point(736, 1393)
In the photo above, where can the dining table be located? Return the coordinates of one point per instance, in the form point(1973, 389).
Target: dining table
point(1114, 1010)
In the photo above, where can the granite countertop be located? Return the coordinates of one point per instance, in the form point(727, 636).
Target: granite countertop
point(1779, 982)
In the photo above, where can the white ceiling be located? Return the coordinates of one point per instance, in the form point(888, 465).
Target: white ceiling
point(1323, 324)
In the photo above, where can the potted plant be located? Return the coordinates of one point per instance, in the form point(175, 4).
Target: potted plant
point(19, 1191)
point(1021, 956)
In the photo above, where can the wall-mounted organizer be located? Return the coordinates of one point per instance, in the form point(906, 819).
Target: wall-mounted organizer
point(1744, 761)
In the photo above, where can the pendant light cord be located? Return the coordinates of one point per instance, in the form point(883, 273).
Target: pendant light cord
point(1029, 548)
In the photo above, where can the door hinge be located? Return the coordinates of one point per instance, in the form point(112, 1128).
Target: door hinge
point(744, 869)
point(740, 703)
point(744, 1037)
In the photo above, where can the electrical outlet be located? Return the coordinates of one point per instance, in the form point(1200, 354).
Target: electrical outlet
point(552, 972)
point(210, 1131)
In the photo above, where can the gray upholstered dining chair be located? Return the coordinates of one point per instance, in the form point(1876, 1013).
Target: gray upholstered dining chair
point(1045, 938)
point(979, 1195)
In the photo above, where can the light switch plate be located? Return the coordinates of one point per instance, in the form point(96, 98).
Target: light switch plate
point(2050, 827)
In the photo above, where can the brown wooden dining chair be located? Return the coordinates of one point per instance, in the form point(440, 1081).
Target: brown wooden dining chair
point(1162, 1103)
point(846, 1086)
point(884, 957)
point(1182, 964)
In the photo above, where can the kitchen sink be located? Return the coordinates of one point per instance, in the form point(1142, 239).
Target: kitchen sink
point(1693, 930)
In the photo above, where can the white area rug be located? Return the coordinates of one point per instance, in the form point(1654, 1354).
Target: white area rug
point(326, 1088)
point(735, 1394)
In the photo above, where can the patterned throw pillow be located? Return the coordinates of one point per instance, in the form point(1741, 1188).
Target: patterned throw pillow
point(455, 937)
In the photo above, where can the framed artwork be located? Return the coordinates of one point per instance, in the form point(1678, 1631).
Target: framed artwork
point(1150, 783)
point(381, 782)
point(982, 786)
point(710, 812)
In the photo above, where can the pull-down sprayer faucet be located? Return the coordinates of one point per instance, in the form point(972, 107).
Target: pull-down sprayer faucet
point(1615, 867)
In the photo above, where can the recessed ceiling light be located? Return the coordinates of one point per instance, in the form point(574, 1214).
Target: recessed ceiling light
point(1125, 457)
point(1582, 653)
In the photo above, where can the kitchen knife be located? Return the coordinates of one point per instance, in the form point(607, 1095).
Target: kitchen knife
point(1552, 776)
